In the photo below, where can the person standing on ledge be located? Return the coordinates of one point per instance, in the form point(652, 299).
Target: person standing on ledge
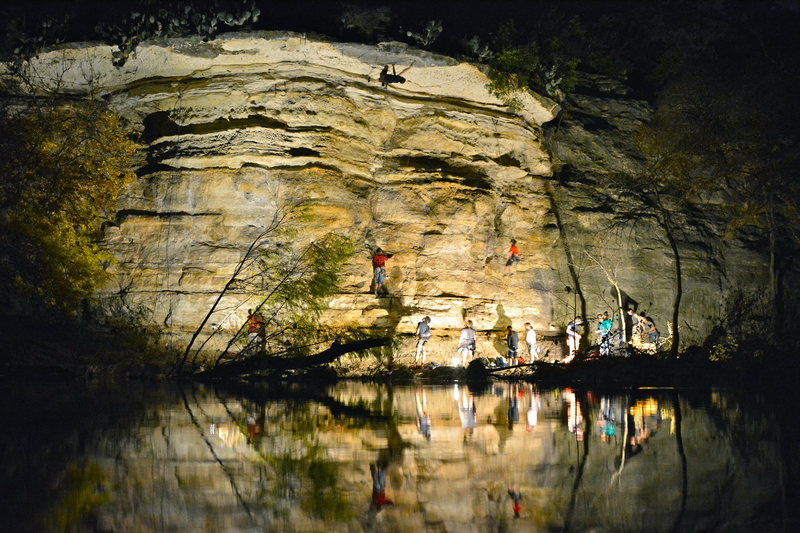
point(604, 325)
point(573, 339)
point(466, 343)
point(637, 328)
point(651, 334)
point(513, 257)
point(530, 340)
point(512, 339)
point(256, 336)
point(379, 270)
point(423, 335)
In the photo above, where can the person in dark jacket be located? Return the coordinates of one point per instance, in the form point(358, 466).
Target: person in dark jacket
point(512, 340)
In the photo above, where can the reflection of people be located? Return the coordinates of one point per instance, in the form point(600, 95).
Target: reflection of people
point(513, 407)
point(466, 343)
point(607, 421)
point(252, 429)
point(573, 338)
point(379, 498)
point(512, 340)
point(533, 412)
point(513, 257)
point(379, 270)
point(466, 411)
point(516, 500)
point(423, 335)
point(423, 420)
point(530, 340)
point(574, 416)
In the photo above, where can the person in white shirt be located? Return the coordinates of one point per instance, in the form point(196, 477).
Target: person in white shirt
point(466, 343)
point(423, 334)
point(530, 340)
point(573, 339)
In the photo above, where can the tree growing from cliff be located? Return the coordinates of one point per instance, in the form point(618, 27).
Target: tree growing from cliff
point(665, 190)
point(744, 133)
point(286, 287)
point(64, 167)
point(294, 286)
point(611, 265)
point(518, 63)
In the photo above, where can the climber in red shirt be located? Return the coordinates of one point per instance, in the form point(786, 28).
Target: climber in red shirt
point(379, 270)
point(513, 257)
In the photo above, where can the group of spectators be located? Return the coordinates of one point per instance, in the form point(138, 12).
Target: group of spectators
point(467, 343)
point(644, 334)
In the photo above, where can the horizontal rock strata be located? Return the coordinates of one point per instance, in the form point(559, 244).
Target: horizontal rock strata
point(435, 170)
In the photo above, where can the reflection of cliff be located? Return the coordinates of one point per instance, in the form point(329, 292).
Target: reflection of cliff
point(299, 460)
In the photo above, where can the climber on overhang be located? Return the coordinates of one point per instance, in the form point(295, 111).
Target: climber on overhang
point(385, 78)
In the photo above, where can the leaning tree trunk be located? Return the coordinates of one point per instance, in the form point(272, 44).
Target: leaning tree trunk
point(676, 303)
point(277, 363)
point(774, 281)
point(621, 311)
point(573, 272)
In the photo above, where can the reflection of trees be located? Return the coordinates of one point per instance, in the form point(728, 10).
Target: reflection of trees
point(759, 428)
point(678, 418)
point(81, 493)
point(226, 470)
point(580, 407)
point(298, 474)
point(304, 465)
point(290, 472)
point(45, 477)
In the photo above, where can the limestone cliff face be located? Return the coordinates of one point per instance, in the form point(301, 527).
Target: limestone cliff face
point(435, 170)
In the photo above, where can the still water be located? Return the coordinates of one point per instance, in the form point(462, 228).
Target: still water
point(365, 457)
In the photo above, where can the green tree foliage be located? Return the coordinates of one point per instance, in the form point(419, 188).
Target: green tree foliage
point(64, 167)
point(521, 63)
point(664, 193)
point(298, 284)
point(82, 490)
point(204, 19)
point(737, 134)
point(289, 283)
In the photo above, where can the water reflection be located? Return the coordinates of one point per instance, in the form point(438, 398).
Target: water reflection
point(363, 457)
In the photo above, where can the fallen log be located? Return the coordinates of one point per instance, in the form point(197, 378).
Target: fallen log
point(499, 368)
point(261, 394)
point(276, 363)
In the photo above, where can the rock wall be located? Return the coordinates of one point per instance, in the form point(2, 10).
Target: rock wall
point(435, 170)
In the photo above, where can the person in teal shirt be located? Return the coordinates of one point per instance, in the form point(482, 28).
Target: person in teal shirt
point(604, 326)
